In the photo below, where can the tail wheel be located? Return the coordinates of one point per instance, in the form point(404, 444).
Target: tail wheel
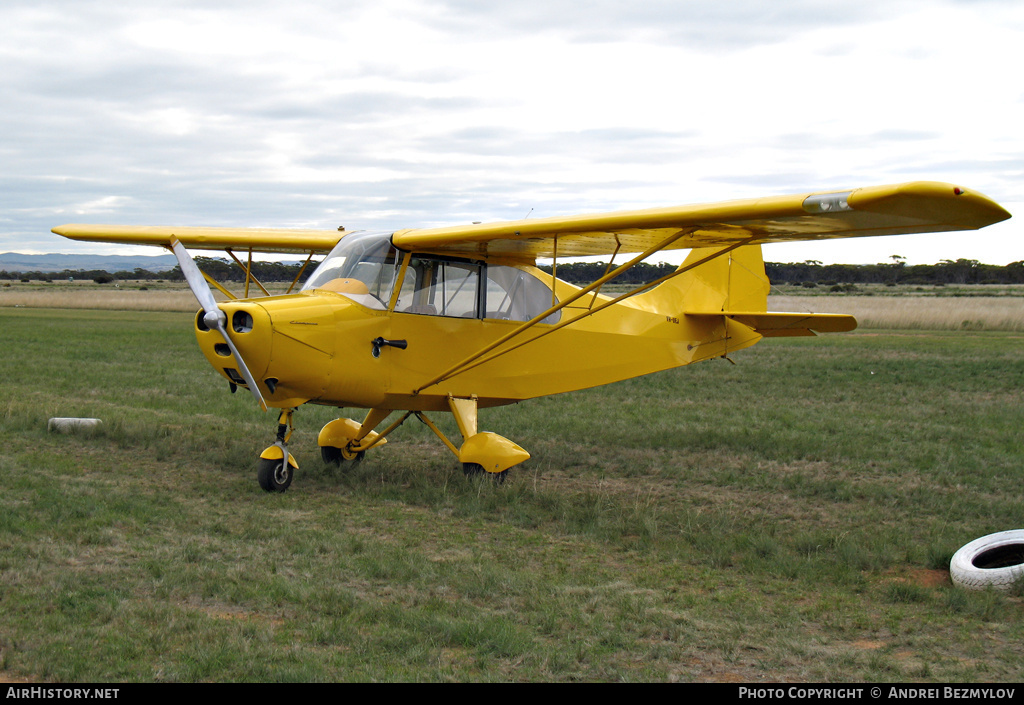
point(274, 474)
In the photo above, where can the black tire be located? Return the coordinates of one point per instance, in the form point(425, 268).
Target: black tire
point(335, 456)
point(996, 561)
point(476, 470)
point(274, 475)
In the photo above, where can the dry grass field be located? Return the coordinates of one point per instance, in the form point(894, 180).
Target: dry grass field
point(111, 299)
point(970, 308)
point(126, 296)
point(1003, 313)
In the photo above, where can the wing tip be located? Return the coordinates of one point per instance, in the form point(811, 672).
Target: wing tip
point(937, 201)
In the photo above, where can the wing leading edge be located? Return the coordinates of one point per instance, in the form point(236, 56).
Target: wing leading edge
point(258, 239)
point(915, 207)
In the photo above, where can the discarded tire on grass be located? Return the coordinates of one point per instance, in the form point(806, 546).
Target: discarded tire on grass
point(996, 560)
point(71, 425)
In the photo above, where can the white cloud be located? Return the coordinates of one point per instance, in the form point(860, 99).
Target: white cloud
point(397, 113)
point(107, 204)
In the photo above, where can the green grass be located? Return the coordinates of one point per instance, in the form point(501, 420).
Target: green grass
point(787, 518)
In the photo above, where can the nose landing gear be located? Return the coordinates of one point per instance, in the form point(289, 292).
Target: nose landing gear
point(276, 466)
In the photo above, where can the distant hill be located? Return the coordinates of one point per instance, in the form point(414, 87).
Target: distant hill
point(16, 262)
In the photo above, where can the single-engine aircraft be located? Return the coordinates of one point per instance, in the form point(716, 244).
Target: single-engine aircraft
point(455, 319)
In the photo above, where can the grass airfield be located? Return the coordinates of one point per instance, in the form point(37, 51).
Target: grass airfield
point(787, 518)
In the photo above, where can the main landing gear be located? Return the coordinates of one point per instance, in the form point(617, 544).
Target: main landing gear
point(336, 456)
point(341, 440)
point(481, 453)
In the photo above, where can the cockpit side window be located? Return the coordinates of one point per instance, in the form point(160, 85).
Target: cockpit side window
point(438, 287)
point(516, 295)
point(462, 289)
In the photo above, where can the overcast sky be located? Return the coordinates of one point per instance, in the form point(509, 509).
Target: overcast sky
point(388, 114)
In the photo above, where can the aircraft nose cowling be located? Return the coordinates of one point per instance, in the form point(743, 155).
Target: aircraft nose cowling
point(300, 348)
point(250, 329)
point(287, 343)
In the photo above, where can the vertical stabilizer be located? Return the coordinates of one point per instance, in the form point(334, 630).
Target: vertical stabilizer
point(732, 282)
point(732, 290)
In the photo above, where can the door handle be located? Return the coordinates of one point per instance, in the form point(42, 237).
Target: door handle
point(378, 343)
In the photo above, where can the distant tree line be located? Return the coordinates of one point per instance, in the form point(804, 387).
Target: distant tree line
point(961, 271)
point(586, 272)
point(218, 268)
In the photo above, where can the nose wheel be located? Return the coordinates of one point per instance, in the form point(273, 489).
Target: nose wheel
point(275, 474)
point(276, 466)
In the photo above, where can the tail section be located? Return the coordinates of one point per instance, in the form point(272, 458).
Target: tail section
point(734, 281)
point(733, 289)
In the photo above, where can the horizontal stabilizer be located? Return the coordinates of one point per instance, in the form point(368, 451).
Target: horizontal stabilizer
point(779, 325)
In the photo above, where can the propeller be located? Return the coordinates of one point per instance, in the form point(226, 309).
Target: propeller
point(213, 316)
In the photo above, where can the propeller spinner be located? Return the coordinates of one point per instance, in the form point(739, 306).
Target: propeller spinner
point(213, 316)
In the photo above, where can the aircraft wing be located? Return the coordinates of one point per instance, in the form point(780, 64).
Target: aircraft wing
point(241, 239)
point(916, 207)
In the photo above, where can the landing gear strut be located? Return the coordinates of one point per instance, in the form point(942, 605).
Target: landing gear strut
point(481, 454)
point(276, 466)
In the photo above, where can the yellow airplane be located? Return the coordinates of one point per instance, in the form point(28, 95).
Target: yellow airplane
point(459, 318)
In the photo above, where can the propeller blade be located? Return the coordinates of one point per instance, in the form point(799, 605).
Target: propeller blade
point(196, 281)
point(213, 316)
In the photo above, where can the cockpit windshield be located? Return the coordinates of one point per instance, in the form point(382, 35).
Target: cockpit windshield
point(362, 267)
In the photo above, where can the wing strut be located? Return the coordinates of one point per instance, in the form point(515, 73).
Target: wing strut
point(216, 284)
point(607, 269)
point(475, 361)
point(456, 368)
point(299, 275)
point(249, 276)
